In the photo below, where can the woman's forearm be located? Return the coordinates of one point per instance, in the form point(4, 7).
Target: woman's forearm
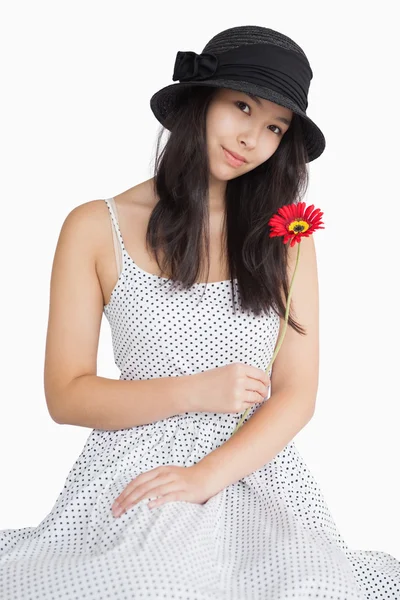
point(261, 438)
point(101, 403)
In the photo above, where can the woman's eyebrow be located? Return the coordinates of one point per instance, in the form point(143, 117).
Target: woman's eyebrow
point(258, 101)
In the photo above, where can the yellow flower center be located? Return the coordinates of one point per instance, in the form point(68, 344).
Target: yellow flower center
point(298, 226)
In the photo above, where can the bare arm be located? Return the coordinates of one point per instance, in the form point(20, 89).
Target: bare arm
point(101, 403)
point(75, 394)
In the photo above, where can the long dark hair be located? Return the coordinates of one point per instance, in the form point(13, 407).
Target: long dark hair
point(179, 222)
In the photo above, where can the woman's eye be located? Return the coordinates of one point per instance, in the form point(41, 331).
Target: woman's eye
point(276, 127)
point(240, 102)
point(279, 132)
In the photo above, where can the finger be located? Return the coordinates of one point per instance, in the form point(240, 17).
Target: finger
point(173, 496)
point(162, 491)
point(143, 492)
point(142, 478)
point(259, 375)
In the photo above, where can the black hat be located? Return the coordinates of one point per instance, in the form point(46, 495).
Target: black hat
point(250, 59)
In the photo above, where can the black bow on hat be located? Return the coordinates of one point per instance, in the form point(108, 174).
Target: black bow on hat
point(190, 66)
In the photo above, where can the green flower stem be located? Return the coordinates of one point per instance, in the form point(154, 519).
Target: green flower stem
point(280, 341)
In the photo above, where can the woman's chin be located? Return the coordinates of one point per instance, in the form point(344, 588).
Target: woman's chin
point(224, 173)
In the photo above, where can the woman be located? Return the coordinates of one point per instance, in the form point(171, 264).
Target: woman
point(229, 516)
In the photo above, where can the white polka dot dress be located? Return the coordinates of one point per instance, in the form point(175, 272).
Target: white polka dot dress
point(269, 536)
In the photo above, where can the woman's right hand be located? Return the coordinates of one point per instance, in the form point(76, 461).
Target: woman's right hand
point(232, 388)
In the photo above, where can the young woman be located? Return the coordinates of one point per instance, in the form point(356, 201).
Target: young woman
point(194, 290)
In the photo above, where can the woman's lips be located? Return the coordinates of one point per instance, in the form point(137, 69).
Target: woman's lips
point(231, 159)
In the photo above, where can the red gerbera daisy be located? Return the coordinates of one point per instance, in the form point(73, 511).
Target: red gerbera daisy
point(295, 221)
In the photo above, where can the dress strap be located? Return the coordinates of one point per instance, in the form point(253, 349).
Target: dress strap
point(119, 245)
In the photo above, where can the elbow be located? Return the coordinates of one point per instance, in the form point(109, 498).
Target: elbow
point(58, 400)
point(311, 408)
point(56, 407)
point(55, 415)
point(312, 412)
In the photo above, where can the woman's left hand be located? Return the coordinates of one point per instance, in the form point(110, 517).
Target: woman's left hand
point(190, 484)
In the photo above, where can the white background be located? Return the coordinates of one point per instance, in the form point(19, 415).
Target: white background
point(76, 125)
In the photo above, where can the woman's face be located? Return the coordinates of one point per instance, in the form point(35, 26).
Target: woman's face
point(238, 123)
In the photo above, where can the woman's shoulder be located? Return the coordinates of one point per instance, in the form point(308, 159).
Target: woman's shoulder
point(89, 219)
point(89, 222)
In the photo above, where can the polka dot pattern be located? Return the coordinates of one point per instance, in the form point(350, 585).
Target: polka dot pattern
point(269, 536)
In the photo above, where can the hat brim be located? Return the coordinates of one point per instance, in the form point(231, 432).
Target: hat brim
point(164, 103)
